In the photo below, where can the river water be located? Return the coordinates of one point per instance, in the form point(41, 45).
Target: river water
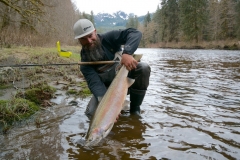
point(191, 111)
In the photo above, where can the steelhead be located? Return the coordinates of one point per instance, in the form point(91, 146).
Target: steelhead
point(109, 108)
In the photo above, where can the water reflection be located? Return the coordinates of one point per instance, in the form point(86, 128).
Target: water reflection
point(191, 111)
point(198, 97)
point(124, 141)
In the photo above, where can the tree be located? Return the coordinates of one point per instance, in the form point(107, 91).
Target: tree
point(157, 20)
point(132, 22)
point(87, 16)
point(227, 19)
point(163, 16)
point(36, 22)
point(27, 9)
point(147, 19)
point(136, 22)
point(237, 26)
point(150, 33)
point(156, 16)
point(214, 20)
point(193, 18)
point(92, 17)
point(172, 20)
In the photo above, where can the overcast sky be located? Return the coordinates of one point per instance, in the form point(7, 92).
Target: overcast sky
point(138, 7)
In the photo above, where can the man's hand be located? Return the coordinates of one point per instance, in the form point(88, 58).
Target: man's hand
point(129, 61)
point(117, 118)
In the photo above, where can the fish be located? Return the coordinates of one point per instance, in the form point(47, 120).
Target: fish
point(109, 108)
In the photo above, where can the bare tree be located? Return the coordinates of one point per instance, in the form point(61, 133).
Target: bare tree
point(214, 19)
point(27, 9)
point(37, 22)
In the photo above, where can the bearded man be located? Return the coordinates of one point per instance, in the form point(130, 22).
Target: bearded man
point(104, 47)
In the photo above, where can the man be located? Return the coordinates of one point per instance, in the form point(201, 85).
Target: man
point(102, 47)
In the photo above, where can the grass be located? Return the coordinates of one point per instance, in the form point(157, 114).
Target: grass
point(34, 55)
point(5, 86)
point(39, 93)
point(16, 109)
point(24, 52)
point(83, 92)
point(24, 104)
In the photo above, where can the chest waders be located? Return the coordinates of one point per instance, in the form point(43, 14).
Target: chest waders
point(137, 91)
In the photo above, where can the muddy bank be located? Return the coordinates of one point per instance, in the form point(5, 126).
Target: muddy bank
point(36, 84)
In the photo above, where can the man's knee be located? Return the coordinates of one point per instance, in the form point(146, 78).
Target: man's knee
point(144, 68)
point(141, 75)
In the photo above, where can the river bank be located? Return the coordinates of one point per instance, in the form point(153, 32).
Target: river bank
point(26, 90)
point(219, 45)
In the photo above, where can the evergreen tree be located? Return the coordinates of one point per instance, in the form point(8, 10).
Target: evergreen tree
point(132, 22)
point(157, 20)
point(136, 22)
point(156, 16)
point(147, 19)
point(193, 18)
point(163, 16)
point(92, 17)
point(227, 18)
point(172, 20)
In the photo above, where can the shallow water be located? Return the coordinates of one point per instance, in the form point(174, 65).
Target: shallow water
point(191, 111)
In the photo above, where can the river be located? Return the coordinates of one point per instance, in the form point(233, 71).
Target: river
point(191, 111)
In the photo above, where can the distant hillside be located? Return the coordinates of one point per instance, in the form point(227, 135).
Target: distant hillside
point(105, 21)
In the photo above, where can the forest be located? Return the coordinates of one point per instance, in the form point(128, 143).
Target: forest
point(175, 24)
point(197, 23)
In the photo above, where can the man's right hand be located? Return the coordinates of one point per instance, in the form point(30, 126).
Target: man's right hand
point(129, 62)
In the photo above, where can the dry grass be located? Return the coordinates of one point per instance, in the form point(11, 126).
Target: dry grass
point(11, 36)
point(35, 55)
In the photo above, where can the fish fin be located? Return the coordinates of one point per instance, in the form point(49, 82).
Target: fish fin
point(108, 129)
point(99, 99)
point(126, 105)
point(130, 81)
point(137, 57)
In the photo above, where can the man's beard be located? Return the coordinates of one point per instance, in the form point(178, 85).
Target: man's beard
point(95, 52)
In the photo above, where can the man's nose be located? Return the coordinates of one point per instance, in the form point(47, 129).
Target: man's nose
point(89, 40)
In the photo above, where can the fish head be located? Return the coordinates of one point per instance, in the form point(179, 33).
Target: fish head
point(94, 137)
point(97, 134)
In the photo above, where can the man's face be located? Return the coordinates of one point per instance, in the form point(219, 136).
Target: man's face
point(92, 46)
point(89, 40)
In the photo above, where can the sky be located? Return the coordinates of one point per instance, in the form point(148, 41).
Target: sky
point(138, 7)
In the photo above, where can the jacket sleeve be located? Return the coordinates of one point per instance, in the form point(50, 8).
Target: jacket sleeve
point(129, 37)
point(95, 85)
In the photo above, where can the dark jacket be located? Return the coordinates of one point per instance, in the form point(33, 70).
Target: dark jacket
point(111, 43)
